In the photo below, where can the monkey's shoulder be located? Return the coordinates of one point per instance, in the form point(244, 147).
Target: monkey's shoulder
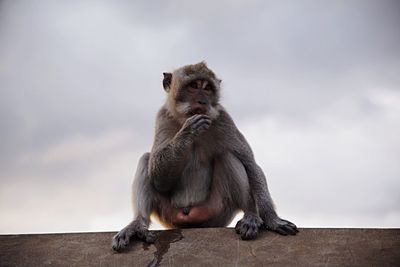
point(165, 122)
point(164, 115)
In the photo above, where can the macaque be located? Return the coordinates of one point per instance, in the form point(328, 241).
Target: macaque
point(201, 171)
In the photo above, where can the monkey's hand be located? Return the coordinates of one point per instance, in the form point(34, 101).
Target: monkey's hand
point(248, 226)
point(281, 226)
point(195, 125)
point(135, 228)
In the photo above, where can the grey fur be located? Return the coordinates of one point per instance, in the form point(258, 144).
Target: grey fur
point(196, 160)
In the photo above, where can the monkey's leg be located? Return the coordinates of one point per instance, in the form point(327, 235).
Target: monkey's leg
point(230, 181)
point(143, 197)
point(248, 227)
point(265, 205)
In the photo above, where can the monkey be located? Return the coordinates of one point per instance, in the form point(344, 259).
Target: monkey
point(201, 170)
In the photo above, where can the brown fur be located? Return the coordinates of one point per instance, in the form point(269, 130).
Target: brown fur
point(199, 163)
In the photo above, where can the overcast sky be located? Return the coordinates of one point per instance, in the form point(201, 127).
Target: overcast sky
point(313, 85)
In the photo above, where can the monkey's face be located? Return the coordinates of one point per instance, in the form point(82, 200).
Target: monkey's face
point(192, 89)
point(196, 97)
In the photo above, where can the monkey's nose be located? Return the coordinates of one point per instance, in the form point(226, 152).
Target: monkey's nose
point(186, 210)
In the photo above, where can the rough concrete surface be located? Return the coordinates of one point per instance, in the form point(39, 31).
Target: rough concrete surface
point(208, 247)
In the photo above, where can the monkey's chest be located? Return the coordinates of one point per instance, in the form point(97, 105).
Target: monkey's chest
point(195, 183)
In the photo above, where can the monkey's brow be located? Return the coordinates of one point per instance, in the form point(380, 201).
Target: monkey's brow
point(199, 82)
point(205, 82)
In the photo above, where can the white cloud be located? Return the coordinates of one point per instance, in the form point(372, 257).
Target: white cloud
point(82, 148)
point(342, 162)
point(94, 182)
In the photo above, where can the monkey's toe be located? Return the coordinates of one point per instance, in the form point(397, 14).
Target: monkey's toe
point(286, 230)
point(248, 227)
point(145, 235)
point(237, 227)
point(284, 227)
point(118, 243)
point(150, 237)
point(248, 232)
point(121, 240)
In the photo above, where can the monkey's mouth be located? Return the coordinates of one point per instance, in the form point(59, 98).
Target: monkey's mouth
point(197, 110)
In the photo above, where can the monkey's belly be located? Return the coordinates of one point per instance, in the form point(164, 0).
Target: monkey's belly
point(192, 202)
point(190, 216)
point(194, 185)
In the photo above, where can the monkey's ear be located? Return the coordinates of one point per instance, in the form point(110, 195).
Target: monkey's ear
point(167, 81)
point(203, 64)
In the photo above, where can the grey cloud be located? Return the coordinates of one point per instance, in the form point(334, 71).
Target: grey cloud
point(79, 73)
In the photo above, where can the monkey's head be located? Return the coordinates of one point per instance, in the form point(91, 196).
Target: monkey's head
point(192, 89)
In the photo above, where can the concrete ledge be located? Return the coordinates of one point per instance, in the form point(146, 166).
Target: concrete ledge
point(208, 247)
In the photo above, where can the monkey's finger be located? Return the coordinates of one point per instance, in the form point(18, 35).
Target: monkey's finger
point(193, 124)
point(203, 126)
point(295, 228)
point(200, 123)
point(116, 245)
point(237, 227)
point(142, 235)
point(206, 117)
point(250, 233)
point(263, 226)
point(200, 116)
point(150, 237)
point(204, 121)
point(290, 223)
point(191, 120)
point(196, 118)
point(247, 232)
point(288, 229)
point(126, 239)
point(280, 231)
point(119, 242)
point(243, 228)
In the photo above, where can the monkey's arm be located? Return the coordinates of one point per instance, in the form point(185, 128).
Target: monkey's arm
point(257, 182)
point(259, 189)
point(171, 147)
point(257, 179)
point(164, 164)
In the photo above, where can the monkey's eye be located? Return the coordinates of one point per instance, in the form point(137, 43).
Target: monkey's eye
point(193, 85)
point(208, 88)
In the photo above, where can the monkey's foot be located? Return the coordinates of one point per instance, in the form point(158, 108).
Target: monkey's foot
point(121, 240)
point(248, 226)
point(281, 226)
